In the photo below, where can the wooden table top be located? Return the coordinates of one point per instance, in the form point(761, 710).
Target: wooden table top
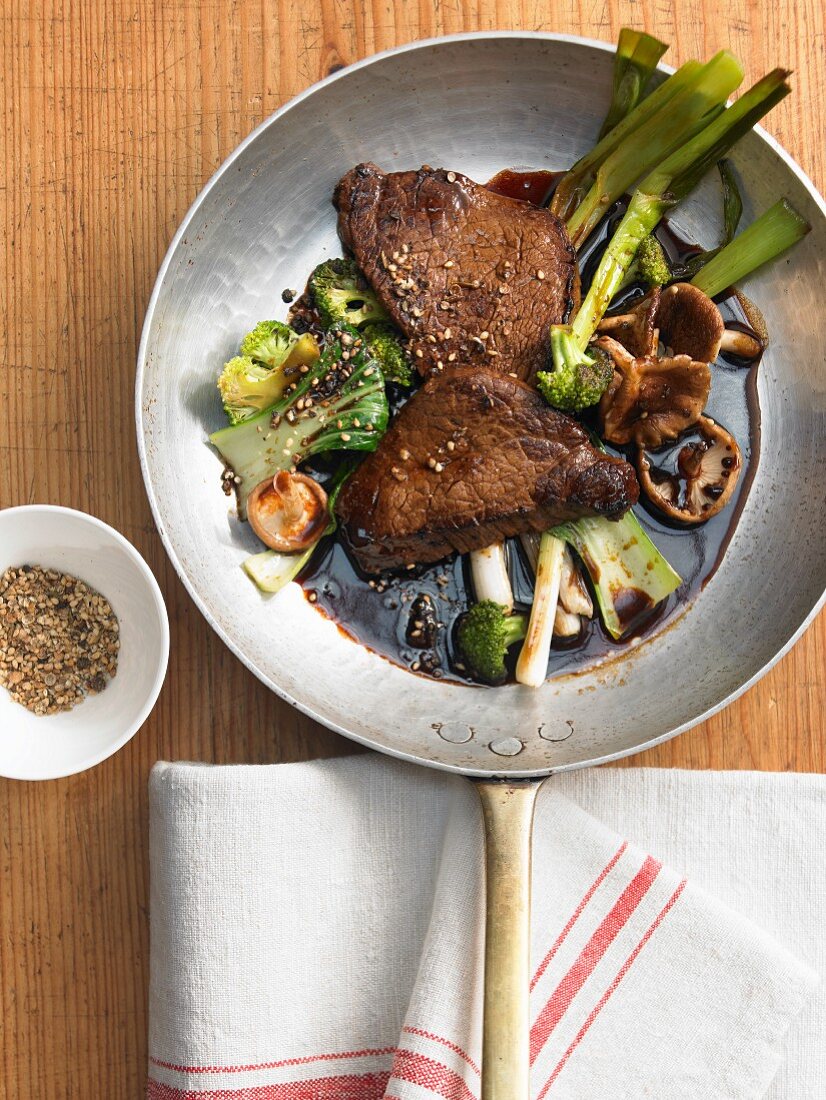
point(115, 114)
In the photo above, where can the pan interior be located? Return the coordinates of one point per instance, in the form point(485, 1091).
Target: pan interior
point(476, 104)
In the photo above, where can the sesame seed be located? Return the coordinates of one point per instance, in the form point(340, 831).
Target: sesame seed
point(451, 177)
point(448, 263)
point(451, 357)
point(540, 275)
point(446, 335)
point(440, 365)
point(419, 353)
point(312, 597)
point(404, 454)
point(484, 334)
point(451, 446)
point(431, 463)
point(444, 305)
point(438, 467)
point(345, 438)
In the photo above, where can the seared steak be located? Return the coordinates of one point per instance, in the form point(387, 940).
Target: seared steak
point(468, 276)
point(475, 456)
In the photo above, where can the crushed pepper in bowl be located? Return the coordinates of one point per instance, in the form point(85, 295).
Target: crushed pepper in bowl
point(59, 639)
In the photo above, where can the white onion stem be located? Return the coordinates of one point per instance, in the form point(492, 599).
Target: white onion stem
point(489, 573)
point(532, 666)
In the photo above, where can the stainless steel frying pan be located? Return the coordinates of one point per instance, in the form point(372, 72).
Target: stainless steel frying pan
point(476, 103)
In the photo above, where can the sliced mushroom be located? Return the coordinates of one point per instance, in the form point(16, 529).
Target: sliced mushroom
point(691, 324)
point(685, 320)
point(649, 400)
point(566, 624)
point(636, 329)
point(705, 478)
point(573, 595)
point(742, 344)
point(288, 512)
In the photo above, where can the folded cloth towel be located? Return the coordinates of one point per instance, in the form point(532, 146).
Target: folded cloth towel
point(317, 934)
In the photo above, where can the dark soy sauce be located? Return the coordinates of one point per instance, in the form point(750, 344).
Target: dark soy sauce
point(379, 612)
point(534, 187)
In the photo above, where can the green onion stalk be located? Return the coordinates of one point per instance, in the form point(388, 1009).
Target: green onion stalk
point(635, 60)
point(574, 185)
point(667, 185)
point(775, 231)
point(669, 130)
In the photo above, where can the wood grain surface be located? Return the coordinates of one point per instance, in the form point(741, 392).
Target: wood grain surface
point(115, 112)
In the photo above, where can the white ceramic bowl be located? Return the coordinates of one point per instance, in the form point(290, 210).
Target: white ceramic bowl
point(61, 744)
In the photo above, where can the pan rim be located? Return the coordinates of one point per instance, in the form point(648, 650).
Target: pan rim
point(143, 348)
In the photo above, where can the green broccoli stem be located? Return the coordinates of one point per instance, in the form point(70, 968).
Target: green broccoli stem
point(670, 182)
point(772, 233)
point(575, 183)
point(635, 60)
point(515, 627)
point(629, 574)
point(687, 114)
point(643, 214)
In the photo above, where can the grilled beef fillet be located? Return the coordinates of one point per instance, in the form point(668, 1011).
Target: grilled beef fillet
point(468, 276)
point(475, 456)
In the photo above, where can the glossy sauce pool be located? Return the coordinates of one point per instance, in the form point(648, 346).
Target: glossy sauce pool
point(409, 618)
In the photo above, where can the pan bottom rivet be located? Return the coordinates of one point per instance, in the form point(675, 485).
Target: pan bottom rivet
point(454, 732)
point(506, 746)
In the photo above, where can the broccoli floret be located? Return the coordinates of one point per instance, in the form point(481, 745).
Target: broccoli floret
point(248, 387)
point(342, 293)
point(256, 378)
point(338, 404)
point(385, 346)
point(652, 266)
point(579, 378)
point(269, 342)
point(483, 637)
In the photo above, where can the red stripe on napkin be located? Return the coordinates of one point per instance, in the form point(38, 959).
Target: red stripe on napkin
point(590, 955)
point(595, 885)
point(445, 1043)
point(626, 966)
point(366, 1086)
point(429, 1074)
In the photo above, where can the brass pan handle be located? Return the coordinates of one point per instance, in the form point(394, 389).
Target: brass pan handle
point(508, 811)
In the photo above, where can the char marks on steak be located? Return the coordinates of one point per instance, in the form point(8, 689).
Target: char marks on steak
point(473, 457)
point(469, 276)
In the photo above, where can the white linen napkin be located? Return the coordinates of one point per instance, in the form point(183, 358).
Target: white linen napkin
point(317, 934)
